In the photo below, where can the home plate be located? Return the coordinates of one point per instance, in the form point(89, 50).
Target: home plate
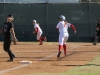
point(25, 62)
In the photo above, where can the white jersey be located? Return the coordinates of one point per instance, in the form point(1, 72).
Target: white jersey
point(63, 28)
point(39, 29)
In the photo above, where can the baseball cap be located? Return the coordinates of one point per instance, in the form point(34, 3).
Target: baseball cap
point(10, 16)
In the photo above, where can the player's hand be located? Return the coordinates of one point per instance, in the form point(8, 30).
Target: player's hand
point(75, 31)
point(97, 28)
point(33, 32)
point(0, 32)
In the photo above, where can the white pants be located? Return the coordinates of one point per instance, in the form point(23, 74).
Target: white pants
point(39, 35)
point(63, 37)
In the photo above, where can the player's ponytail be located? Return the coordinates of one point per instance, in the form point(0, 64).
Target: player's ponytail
point(66, 22)
point(38, 24)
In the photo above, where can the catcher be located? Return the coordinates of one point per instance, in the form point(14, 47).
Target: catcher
point(8, 31)
point(97, 32)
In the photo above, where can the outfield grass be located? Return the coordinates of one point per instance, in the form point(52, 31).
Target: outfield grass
point(92, 68)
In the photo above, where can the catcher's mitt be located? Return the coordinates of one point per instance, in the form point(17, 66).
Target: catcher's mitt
point(14, 40)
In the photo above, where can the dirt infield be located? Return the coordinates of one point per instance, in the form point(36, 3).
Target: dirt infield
point(44, 57)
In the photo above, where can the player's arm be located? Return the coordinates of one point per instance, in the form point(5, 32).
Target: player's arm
point(1, 30)
point(58, 26)
point(36, 30)
point(97, 28)
point(13, 33)
point(73, 27)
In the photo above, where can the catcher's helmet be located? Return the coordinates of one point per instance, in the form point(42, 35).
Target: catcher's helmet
point(62, 17)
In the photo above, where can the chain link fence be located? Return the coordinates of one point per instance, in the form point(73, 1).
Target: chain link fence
point(84, 17)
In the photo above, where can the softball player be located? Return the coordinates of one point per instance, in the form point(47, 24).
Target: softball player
point(63, 36)
point(12, 39)
point(8, 31)
point(39, 32)
point(97, 32)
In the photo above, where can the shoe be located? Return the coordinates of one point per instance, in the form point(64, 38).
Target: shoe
point(10, 60)
point(65, 54)
point(14, 56)
point(94, 43)
point(58, 54)
point(41, 44)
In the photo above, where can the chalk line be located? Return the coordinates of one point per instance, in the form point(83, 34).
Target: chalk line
point(18, 67)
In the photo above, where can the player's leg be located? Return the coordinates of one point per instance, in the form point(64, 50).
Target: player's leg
point(96, 38)
point(65, 46)
point(7, 43)
point(43, 38)
point(39, 39)
point(61, 39)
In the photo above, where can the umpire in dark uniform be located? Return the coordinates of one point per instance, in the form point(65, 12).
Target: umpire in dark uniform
point(8, 31)
point(97, 32)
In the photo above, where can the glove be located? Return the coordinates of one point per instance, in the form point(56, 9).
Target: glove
point(14, 40)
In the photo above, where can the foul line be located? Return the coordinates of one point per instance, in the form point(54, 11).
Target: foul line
point(18, 67)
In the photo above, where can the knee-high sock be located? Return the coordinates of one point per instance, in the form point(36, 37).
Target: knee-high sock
point(40, 41)
point(60, 48)
point(64, 47)
point(42, 38)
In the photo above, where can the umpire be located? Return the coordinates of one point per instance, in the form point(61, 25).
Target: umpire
point(97, 32)
point(8, 31)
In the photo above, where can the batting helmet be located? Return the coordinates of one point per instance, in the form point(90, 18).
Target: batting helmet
point(62, 17)
point(34, 21)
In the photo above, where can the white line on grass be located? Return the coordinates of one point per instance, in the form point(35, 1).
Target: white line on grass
point(18, 67)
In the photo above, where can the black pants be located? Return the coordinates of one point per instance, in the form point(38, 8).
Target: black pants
point(98, 33)
point(6, 46)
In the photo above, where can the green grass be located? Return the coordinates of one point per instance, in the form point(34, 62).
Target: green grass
point(92, 68)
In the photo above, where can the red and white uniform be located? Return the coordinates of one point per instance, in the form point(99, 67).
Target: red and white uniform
point(63, 30)
point(38, 31)
point(63, 34)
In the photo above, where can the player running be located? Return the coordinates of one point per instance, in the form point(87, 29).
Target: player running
point(63, 36)
point(8, 31)
point(97, 32)
point(39, 32)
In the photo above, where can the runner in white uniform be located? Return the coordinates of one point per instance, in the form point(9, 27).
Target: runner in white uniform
point(39, 32)
point(63, 33)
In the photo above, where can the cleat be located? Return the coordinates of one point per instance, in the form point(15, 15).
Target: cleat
point(65, 54)
point(94, 43)
point(41, 44)
point(58, 54)
point(10, 60)
point(45, 39)
point(13, 56)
